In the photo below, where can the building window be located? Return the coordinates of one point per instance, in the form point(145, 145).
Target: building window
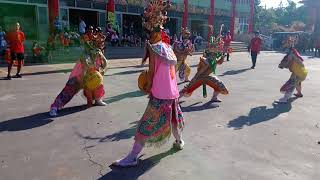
point(243, 24)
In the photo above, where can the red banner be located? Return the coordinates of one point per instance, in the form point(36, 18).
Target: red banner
point(53, 8)
point(185, 14)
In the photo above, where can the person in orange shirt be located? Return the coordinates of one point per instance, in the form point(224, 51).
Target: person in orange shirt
point(15, 40)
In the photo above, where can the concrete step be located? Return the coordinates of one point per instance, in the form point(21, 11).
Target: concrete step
point(239, 46)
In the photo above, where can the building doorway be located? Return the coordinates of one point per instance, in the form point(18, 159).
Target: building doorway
point(198, 27)
point(89, 17)
point(131, 25)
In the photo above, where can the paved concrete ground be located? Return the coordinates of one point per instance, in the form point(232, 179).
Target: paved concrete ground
point(246, 138)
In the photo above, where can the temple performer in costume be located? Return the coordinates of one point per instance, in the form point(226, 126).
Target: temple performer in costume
point(183, 48)
point(227, 42)
point(212, 57)
point(87, 74)
point(295, 64)
point(163, 115)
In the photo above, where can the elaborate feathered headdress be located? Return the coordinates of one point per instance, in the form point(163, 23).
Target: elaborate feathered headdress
point(290, 42)
point(215, 44)
point(155, 14)
point(185, 33)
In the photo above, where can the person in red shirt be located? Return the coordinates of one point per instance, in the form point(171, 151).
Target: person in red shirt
point(15, 40)
point(227, 41)
point(255, 48)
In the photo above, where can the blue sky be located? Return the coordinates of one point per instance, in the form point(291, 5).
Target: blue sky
point(275, 3)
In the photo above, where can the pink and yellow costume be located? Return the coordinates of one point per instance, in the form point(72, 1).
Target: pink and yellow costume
point(294, 62)
point(88, 64)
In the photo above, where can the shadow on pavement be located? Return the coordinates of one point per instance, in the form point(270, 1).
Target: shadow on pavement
point(134, 173)
point(126, 72)
point(194, 107)
point(260, 114)
point(34, 121)
point(48, 72)
point(234, 72)
point(124, 134)
point(120, 97)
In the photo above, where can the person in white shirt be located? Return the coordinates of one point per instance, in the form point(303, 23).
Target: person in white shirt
point(82, 26)
point(3, 42)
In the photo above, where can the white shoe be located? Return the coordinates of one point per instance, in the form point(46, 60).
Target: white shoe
point(100, 103)
point(282, 100)
point(178, 144)
point(126, 162)
point(53, 112)
point(216, 99)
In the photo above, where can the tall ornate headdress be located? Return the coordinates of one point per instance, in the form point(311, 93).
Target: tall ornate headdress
point(155, 15)
point(216, 43)
point(291, 41)
point(185, 33)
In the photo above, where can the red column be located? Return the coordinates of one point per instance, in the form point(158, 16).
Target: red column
point(111, 6)
point(185, 14)
point(110, 11)
point(53, 8)
point(251, 23)
point(233, 17)
point(211, 17)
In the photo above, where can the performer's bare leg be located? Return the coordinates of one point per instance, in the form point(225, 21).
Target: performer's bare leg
point(299, 91)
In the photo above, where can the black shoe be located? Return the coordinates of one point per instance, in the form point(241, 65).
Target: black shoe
point(18, 76)
point(8, 77)
point(252, 67)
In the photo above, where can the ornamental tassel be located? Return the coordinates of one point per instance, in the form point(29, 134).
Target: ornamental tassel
point(204, 90)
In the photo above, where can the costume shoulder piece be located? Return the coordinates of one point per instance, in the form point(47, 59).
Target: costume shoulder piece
point(165, 51)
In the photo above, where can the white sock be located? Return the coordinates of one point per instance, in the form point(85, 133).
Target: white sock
point(176, 134)
point(215, 95)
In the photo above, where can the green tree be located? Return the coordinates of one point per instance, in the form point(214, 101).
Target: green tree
point(289, 18)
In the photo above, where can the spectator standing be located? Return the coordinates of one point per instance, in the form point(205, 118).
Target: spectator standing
point(15, 40)
point(64, 23)
point(3, 42)
point(255, 48)
point(115, 40)
point(82, 27)
point(131, 30)
point(57, 26)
